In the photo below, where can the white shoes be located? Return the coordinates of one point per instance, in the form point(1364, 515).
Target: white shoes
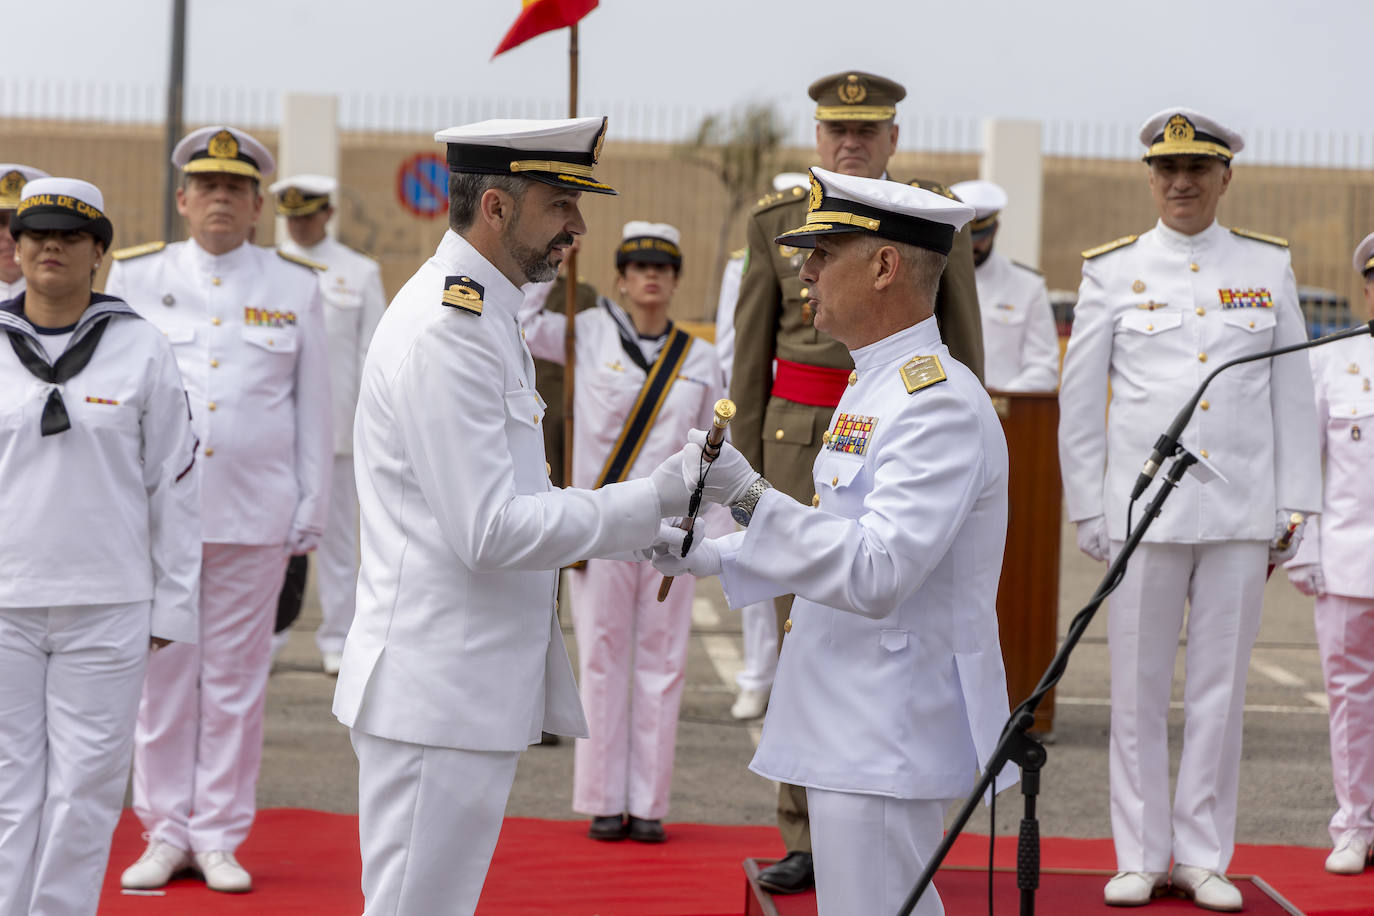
point(1207, 889)
point(750, 704)
point(1350, 855)
point(155, 867)
point(331, 661)
point(223, 872)
point(1135, 888)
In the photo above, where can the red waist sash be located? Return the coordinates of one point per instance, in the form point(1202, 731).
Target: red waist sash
point(814, 385)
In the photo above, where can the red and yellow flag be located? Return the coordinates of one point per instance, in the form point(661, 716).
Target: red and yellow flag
point(540, 16)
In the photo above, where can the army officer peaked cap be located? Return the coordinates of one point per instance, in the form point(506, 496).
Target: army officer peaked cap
point(889, 209)
point(1185, 132)
point(559, 153)
point(856, 96)
point(224, 151)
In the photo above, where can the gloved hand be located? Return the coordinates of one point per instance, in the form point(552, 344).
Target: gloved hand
point(1279, 553)
point(1308, 579)
point(726, 478)
point(669, 541)
point(1092, 538)
point(667, 478)
point(703, 561)
point(303, 540)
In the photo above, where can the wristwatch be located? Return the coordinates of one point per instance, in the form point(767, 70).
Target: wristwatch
point(742, 509)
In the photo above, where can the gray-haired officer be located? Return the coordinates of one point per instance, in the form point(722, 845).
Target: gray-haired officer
point(1156, 313)
point(353, 299)
point(13, 177)
point(249, 338)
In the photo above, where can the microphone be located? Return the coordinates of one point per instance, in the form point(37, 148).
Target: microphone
point(715, 437)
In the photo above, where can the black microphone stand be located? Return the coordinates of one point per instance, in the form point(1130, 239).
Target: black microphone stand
point(1016, 744)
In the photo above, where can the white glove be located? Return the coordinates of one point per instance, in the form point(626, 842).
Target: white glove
point(1308, 579)
point(669, 541)
point(667, 478)
point(1092, 538)
point(1279, 554)
point(726, 478)
point(703, 561)
point(303, 540)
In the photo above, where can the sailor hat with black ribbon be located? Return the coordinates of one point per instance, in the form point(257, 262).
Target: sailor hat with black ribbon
point(649, 243)
point(62, 204)
point(1184, 132)
point(987, 200)
point(890, 209)
point(224, 150)
point(1364, 256)
point(856, 96)
point(302, 195)
point(561, 153)
point(13, 177)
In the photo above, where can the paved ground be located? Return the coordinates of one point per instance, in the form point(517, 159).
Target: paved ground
point(1286, 794)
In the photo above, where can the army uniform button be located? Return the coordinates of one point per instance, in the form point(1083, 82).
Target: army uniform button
point(215, 280)
point(1204, 405)
point(210, 406)
point(1202, 357)
point(215, 321)
point(209, 452)
point(1193, 267)
point(787, 625)
point(778, 435)
point(214, 364)
point(1203, 453)
point(1200, 310)
point(853, 376)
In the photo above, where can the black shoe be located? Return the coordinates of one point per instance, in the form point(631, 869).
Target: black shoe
point(646, 831)
point(791, 875)
point(610, 827)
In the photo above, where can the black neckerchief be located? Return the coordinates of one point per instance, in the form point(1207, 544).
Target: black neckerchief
point(629, 336)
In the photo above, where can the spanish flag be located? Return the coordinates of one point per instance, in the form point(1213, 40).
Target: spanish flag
point(540, 16)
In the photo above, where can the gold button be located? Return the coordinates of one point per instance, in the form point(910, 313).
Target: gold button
point(215, 280)
point(1200, 310)
point(522, 333)
point(1202, 357)
point(548, 469)
point(1203, 453)
point(787, 625)
point(853, 376)
point(209, 451)
point(1252, 324)
point(778, 434)
point(815, 500)
point(834, 481)
point(210, 406)
point(215, 321)
point(1193, 268)
point(214, 364)
point(825, 437)
point(1204, 405)
point(806, 291)
point(269, 341)
point(1149, 327)
point(536, 419)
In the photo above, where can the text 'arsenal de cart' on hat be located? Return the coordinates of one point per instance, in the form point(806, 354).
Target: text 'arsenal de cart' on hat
point(302, 195)
point(13, 177)
point(890, 209)
point(987, 199)
point(223, 150)
point(649, 243)
point(62, 204)
point(1364, 256)
point(856, 96)
point(1184, 132)
point(561, 153)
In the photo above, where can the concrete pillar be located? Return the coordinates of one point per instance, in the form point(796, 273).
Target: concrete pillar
point(1011, 158)
point(308, 142)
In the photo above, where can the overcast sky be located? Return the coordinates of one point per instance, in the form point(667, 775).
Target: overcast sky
point(1256, 63)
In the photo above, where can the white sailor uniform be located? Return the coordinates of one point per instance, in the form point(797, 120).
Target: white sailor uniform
point(1020, 344)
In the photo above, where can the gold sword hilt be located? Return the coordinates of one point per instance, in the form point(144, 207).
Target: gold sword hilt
point(715, 437)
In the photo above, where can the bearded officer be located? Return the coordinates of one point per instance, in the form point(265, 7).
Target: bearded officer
point(13, 177)
point(781, 416)
point(353, 300)
point(890, 691)
point(1020, 344)
point(1155, 314)
point(1334, 564)
point(249, 338)
point(455, 661)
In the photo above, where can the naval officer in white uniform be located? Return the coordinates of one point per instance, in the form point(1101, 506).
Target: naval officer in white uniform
point(1335, 563)
point(890, 691)
point(353, 299)
point(455, 661)
point(1155, 314)
point(249, 338)
point(1020, 344)
point(13, 177)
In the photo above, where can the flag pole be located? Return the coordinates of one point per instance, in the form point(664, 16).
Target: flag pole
point(570, 294)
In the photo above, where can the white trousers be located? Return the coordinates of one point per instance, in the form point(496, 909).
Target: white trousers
point(869, 850)
point(632, 657)
point(1223, 585)
point(1345, 636)
point(336, 560)
point(69, 684)
point(759, 626)
point(428, 820)
point(199, 740)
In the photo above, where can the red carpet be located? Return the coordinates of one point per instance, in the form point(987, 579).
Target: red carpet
point(306, 862)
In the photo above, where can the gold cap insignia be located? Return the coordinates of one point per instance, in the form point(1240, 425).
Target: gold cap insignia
point(922, 372)
point(293, 198)
point(11, 183)
point(1179, 130)
point(223, 146)
point(816, 194)
point(600, 141)
point(852, 91)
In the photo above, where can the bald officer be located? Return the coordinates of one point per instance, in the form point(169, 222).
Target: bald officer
point(1155, 314)
point(249, 339)
point(13, 177)
point(1020, 344)
point(781, 416)
point(353, 300)
point(455, 661)
point(890, 691)
point(1335, 565)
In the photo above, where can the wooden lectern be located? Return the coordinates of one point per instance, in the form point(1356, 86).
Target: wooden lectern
point(1028, 595)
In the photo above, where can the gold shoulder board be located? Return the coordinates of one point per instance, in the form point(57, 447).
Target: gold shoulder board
point(739, 253)
point(1038, 273)
point(777, 197)
point(1260, 237)
point(934, 187)
point(304, 262)
point(137, 251)
point(1110, 246)
point(922, 372)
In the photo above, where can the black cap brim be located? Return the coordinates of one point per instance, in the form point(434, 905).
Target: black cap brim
point(41, 219)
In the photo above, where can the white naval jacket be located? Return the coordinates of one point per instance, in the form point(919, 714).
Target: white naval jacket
point(353, 299)
point(1020, 344)
point(10, 290)
point(890, 680)
point(107, 511)
point(455, 642)
point(1344, 543)
point(608, 382)
point(1150, 320)
point(249, 339)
